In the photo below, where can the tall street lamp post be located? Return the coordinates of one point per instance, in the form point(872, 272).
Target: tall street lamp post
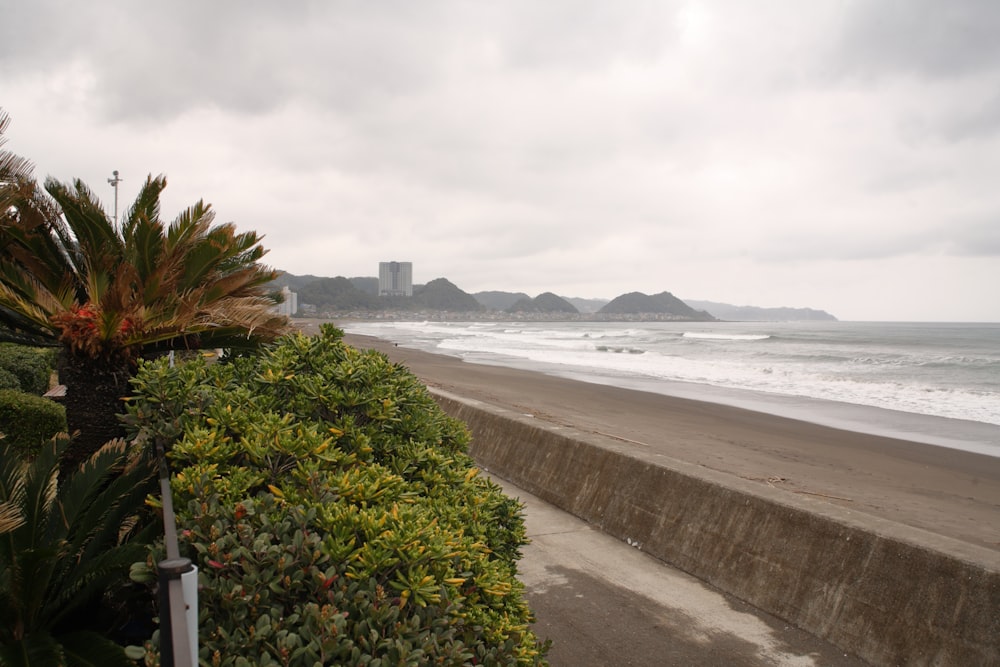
point(114, 183)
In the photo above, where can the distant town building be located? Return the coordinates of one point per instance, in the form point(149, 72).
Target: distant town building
point(290, 302)
point(395, 278)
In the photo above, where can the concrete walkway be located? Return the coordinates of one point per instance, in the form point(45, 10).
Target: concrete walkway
point(605, 603)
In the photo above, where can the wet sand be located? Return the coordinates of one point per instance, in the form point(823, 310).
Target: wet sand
point(945, 491)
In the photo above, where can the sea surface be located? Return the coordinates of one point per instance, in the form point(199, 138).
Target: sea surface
point(937, 383)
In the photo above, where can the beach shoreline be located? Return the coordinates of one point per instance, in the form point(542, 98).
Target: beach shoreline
point(949, 492)
point(970, 436)
point(911, 382)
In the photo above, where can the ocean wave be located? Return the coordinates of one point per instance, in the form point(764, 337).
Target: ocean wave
point(718, 336)
point(619, 349)
point(862, 364)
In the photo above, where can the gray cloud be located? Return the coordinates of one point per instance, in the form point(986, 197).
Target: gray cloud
point(720, 150)
point(933, 38)
point(977, 119)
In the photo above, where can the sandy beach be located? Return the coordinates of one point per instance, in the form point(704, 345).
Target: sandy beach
point(945, 491)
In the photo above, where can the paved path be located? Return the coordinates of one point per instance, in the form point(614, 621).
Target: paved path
point(603, 602)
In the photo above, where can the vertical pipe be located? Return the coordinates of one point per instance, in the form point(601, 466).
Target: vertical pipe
point(114, 183)
point(176, 638)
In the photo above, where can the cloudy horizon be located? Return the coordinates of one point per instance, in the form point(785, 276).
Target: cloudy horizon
point(838, 156)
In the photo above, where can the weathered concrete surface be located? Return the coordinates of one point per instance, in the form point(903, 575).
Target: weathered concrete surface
point(606, 604)
point(888, 593)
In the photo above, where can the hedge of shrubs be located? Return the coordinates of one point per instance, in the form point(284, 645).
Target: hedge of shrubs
point(27, 421)
point(333, 513)
point(28, 369)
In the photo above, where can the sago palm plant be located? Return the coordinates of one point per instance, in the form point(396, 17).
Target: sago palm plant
point(63, 547)
point(108, 294)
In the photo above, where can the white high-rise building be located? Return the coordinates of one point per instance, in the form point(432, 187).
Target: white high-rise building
point(395, 278)
point(290, 303)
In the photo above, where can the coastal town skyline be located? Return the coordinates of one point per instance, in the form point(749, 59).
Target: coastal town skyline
point(838, 156)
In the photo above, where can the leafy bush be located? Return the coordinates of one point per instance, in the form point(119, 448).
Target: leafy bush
point(31, 366)
point(8, 380)
point(333, 513)
point(27, 420)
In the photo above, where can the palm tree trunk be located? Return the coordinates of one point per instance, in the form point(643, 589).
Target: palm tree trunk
point(94, 392)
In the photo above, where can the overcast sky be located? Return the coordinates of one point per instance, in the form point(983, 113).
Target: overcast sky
point(833, 154)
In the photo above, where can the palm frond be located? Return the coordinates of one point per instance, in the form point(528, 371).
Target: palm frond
point(32, 651)
point(14, 170)
point(41, 482)
point(69, 546)
point(89, 649)
point(95, 233)
point(10, 517)
point(146, 207)
point(104, 505)
point(80, 584)
point(34, 241)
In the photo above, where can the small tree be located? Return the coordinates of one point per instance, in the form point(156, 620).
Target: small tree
point(108, 294)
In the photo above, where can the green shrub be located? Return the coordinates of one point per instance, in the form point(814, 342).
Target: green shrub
point(8, 380)
point(30, 365)
point(333, 513)
point(28, 420)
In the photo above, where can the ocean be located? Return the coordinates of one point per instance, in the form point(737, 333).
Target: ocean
point(937, 383)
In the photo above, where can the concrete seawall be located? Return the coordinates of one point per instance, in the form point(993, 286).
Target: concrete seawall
point(888, 593)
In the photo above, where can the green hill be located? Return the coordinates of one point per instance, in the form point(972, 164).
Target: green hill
point(586, 305)
point(336, 294)
point(366, 284)
point(293, 282)
point(441, 294)
point(495, 300)
point(664, 303)
point(546, 302)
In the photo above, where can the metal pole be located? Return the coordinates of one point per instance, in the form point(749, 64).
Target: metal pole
point(114, 183)
point(176, 644)
point(175, 647)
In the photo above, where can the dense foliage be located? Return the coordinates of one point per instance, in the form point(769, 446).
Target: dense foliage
point(65, 553)
point(30, 367)
point(333, 513)
point(26, 420)
point(8, 381)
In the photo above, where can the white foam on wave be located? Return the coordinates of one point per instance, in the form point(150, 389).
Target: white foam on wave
point(882, 377)
point(824, 382)
point(715, 336)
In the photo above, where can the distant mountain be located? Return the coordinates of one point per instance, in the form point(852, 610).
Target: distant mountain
point(586, 305)
point(664, 303)
point(441, 294)
point(499, 300)
point(343, 294)
point(360, 294)
point(294, 283)
point(366, 284)
point(335, 294)
point(726, 311)
point(546, 302)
